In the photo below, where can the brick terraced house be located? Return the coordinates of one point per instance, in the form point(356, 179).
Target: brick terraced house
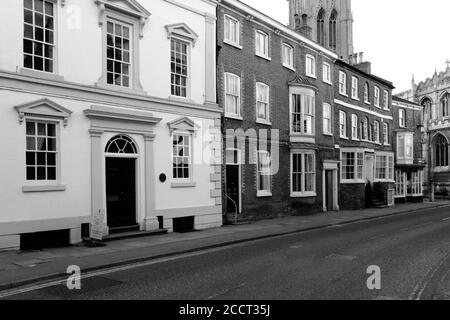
point(276, 90)
point(408, 144)
point(363, 134)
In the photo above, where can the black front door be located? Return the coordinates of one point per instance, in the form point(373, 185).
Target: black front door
point(121, 192)
point(233, 188)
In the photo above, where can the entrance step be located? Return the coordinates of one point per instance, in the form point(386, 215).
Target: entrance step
point(134, 234)
point(230, 220)
point(132, 228)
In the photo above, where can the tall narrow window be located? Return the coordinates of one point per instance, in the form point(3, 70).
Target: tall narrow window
point(402, 118)
point(354, 127)
point(232, 95)
point(366, 93)
point(355, 88)
point(303, 173)
point(41, 153)
point(445, 110)
point(327, 122)
point(302, 114)
point(182, 156)
point(326, 72)
point(365, 129)
point(386, 100)
point(385, 133)
point(262, 102)
point(321, 27)
point(441, 151)
point(310, 66)
point(376, 128)
point(262, 44)
point(232, 31)
point(179, 68)
point(264, 174)
point(377, 97)
point(39, 39)
point(288, 55)
point(342, 83)
point(332, 30)
point(118, 53)
point(342, 124)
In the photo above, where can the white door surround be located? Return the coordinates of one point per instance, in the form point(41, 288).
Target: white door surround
point(330, 165)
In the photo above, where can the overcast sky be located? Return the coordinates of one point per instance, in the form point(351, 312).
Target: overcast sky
point(399, 37)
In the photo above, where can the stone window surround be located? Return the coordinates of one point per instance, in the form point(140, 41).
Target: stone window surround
point(136, 20)
point(45, 110)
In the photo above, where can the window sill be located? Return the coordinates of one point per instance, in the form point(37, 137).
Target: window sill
point(264, 122)
point(328, 134)
point(368, 103)
point(355, 181)
point(238, 46)
point(43, 188)
point(328, 82)
point(112, 87)
point(41, 74)
point(303, 195)
point(263, 194)
point(289, 67)
point(343, 94)
point(378, 107)
point(234, 117)
point(302, 138)
point(355, 139)
point(384, 180)
point(180, 99)
point(313, 76)
point(356, 99)
point(263, 56)
point(176, 185)
point(344, 138)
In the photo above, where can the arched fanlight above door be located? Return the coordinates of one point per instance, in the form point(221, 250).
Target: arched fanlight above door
point(121, 145)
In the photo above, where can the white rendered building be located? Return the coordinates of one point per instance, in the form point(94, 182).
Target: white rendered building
point(108, 106)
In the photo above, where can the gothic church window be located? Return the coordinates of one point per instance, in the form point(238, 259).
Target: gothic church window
point(332, 30)
point(441, 151)
point(321, 27)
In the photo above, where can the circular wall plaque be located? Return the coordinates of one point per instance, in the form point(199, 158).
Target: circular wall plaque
point(162, 177)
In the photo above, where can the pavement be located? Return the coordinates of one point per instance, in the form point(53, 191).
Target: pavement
point(25, 268)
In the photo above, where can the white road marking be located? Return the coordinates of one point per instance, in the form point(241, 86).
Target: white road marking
point(446, 219)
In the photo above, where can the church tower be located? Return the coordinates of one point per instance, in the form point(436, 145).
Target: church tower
point(328, 22)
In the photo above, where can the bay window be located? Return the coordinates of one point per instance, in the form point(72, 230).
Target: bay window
point(302, 111)
point(405, 147)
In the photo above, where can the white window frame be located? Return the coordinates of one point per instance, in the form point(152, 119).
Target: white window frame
point(228, 114)
point(326, 73)
point(402, 118)
point(188, 74)
point(367, 93)
point(46, 121)
point(229, 41)
point(44, 43)
point(376, 97)
point(190, 137)
point(266, 53)
point(260, 86)
point(343, 83)
point(343, 124)
point(259, 172)
point(376, 131)
point(388, 169)
point(386, 100)
point(310, 66)
point(287, 56)
point(303, 193)
point(355, 88)
point(416, 184)
point(358, 166)
point(386, 140)
point(400, 184)
point(327, 119)
point(355, 127)
point(304, 94)
point(403, 139)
